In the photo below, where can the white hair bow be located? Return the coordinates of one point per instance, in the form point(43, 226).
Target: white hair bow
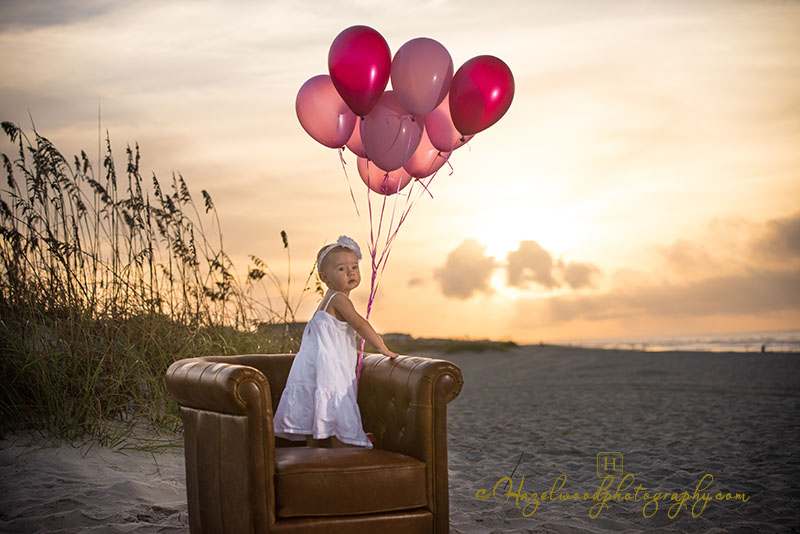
point(343, 241)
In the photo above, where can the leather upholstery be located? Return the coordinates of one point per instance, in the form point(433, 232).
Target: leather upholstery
point(320, 482)
point(241, 479)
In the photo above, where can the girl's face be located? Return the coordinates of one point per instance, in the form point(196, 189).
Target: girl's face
point(340, 270)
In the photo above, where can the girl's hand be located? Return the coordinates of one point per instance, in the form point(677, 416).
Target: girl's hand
point(390, 354)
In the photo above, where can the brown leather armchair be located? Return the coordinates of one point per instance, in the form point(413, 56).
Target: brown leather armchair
point(241, 478)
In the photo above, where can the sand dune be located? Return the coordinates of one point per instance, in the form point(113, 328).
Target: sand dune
point(541, 412)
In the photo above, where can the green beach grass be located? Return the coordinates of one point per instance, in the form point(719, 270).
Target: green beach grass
point(104, 282)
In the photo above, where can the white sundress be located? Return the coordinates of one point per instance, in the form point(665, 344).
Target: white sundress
point(320, 394)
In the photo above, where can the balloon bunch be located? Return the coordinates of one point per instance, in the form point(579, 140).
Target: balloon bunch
point(403, 135)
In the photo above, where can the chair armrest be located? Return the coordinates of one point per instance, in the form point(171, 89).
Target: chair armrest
point(214, 386)
point(229, 444)
point(403, 401)
point(395, 395)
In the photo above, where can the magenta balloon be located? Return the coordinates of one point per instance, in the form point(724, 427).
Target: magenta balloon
point(480, 94)
point(359, 62)
point(322, 112)
point(426, 160)
point(354, 143)
point(421, 74)
point(380, 181)
point(390, 135)
point(440, 129)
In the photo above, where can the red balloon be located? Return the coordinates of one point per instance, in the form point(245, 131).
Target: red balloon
point(440, 129)
point(480, 94)
point(354, 143)
point(359, 62)
point(390, 135)
point(426, 160)
point(322, 112)
point(421, 73)
point(380, 181)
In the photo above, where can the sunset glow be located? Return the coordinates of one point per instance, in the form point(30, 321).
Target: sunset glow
point(644, 182)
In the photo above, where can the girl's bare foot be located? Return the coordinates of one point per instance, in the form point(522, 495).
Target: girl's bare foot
point(372, 439)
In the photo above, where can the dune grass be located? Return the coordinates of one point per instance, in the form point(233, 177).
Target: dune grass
point(106, 280)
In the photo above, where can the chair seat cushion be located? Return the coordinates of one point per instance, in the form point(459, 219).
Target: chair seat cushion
point(311, 481)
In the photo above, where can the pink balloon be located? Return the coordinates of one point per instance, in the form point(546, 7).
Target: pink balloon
point(389, 133)
point(354, 143)
point(359, 62)
point(380, 181)
point(426, 160)
point(440, 129)
point(421, 74)
point(480, 94)
point(322, 112)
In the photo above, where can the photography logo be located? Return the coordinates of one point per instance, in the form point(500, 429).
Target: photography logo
point(609, 464)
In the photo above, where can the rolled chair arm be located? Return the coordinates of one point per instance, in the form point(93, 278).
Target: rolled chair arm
point(229, 444)
point(397, 397)
point(403, 401)
point(213, 386)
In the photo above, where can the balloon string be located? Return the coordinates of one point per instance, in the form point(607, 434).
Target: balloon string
point(347, 178)
point(390, 238)
point(380, 264)
point(392, 234)
point(389, 235)
point(371, 225)
point(372, 285)
point(426, 188)
point(380, 220)
point(447, 160)
point(376, 265)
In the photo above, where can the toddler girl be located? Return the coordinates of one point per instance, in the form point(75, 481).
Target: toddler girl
point(318, 403)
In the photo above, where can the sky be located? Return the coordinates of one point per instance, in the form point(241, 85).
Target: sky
point(645, 181)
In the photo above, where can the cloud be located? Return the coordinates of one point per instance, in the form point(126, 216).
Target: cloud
point(687, 259)
point(532, 263)
point(757, 292)
point(42, 14)
point(780, 238)
point(732, 246)
point(579, 275)
point(467, 270)
point(733, 268)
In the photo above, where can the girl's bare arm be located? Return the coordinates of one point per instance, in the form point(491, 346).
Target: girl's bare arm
point(346, 309)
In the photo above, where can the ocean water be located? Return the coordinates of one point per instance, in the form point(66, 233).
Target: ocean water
point(774, 341)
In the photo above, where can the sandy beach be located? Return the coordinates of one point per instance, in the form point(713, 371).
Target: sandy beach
point(674, 417)
point(543, 413)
